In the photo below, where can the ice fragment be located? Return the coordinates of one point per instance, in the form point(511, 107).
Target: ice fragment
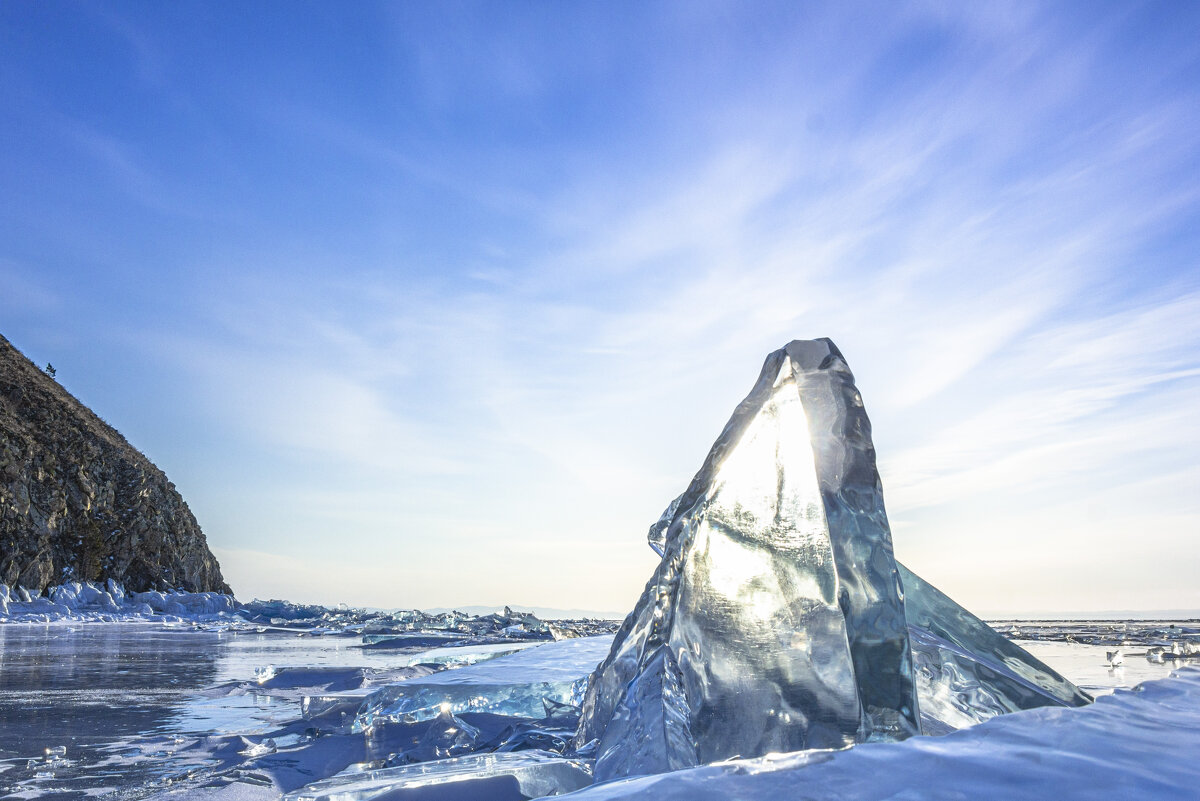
point(966, 671)
point(497, 777)
point(516, 685)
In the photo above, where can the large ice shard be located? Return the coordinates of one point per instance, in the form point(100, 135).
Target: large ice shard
point(965, 671)
point(775, 621)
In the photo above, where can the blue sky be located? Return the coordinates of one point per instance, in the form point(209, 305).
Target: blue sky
point(435, 304)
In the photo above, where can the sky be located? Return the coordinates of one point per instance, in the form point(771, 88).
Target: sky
point(436, 304)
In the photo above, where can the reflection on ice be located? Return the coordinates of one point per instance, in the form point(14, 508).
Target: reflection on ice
point(461, 655)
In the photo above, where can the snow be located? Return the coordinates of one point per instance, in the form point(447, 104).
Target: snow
point(1131, 744)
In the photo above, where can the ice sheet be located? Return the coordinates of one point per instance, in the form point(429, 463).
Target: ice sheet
point(516, 685)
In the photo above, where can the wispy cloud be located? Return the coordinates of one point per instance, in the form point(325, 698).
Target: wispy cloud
point(518, 338)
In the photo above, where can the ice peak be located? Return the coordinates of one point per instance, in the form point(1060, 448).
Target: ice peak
point(775, 619)
point(812, 354)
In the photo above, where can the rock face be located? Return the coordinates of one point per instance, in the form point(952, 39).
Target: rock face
point(78, 502)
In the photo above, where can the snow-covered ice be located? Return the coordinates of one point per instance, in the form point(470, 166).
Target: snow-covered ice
point(1132, 744)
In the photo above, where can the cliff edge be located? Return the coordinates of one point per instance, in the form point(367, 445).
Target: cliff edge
point(78, 502)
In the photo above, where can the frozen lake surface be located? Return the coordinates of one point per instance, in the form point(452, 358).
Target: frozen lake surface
point(131, 710)
point(126, 700)
point(142, 707)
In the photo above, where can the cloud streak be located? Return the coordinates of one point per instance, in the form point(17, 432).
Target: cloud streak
point(508, 335)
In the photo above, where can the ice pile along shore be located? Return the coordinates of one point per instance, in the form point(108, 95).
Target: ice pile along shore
point(109, 602)
point(409, 630)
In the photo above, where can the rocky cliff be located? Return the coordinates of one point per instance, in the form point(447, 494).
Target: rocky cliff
point(78, 502)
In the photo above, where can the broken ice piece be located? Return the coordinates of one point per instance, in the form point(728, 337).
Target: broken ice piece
point(447, 736)
point(515, 685)
point(56, 752)
point(512, 775)
point(254, 749)
point(265, 673)
point(966, 671)
point(318, 705)
point(460, 655)
point(563, 632)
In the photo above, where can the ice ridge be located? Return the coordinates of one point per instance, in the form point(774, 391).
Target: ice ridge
point(778, 619)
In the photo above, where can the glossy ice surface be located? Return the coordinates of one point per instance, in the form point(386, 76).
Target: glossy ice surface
point(128, 701)
point(775, 620)
point(966, 671)
point(137, 709)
